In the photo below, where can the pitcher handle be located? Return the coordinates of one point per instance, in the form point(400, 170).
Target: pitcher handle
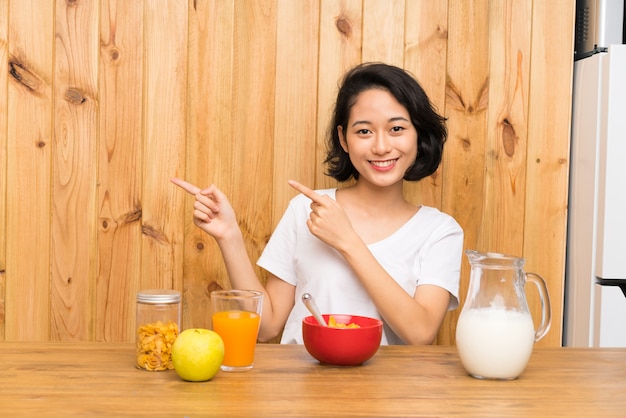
point(546, 309)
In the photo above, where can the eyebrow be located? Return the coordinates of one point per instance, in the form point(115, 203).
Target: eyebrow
point(366, 122)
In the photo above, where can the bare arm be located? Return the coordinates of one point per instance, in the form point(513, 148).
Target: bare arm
point(415, 318)
point(214, 214)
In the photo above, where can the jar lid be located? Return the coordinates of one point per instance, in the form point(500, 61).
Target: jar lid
point(158, 296)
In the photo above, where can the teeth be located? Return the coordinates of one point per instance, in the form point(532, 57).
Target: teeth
point(383, 163)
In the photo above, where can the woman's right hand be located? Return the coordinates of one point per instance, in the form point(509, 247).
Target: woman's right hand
point(213, 212)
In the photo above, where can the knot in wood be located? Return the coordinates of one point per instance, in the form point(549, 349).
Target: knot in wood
point(74, 96)
point(442, 32)
point(508, 138)
point(344, 27)
point(114, 54)
point(24, 76)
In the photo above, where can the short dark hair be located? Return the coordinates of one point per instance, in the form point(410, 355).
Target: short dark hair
point(430, 126)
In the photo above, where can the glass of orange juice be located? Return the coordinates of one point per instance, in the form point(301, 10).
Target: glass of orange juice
point(236, 316)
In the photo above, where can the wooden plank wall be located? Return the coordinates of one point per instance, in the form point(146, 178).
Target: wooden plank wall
point(101, 102)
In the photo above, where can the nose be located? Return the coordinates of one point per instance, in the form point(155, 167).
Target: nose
point(381, 145)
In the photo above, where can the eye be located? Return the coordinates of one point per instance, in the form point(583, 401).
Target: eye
point(363, 132)
point(397, 129)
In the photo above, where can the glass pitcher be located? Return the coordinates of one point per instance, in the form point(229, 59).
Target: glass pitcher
point(495, 332)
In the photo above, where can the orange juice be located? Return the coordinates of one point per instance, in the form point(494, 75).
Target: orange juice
point(239, 330)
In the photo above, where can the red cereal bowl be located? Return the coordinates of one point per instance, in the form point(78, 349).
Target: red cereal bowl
point(342, 346)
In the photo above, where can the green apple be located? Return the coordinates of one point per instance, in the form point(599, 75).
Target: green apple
point(197, 354)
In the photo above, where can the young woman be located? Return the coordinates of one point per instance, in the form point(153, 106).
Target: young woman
point(361, 249)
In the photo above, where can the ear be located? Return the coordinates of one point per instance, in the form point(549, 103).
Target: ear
point(342, 138)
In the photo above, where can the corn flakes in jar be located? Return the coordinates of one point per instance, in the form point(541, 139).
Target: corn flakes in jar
point(158, 325)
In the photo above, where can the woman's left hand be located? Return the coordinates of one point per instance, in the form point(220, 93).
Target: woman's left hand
point(327, 220)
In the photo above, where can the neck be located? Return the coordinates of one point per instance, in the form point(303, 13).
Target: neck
point(377, 198)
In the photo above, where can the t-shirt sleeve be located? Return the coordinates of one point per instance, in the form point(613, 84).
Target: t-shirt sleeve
point(441, 260)
point(277, 257)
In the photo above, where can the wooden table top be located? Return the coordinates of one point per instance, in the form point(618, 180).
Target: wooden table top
point(68, 379)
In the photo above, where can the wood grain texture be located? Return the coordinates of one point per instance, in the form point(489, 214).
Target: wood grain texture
point(210, 146)
point(547, 164)
point(399, 381)
point(383, 31)
point(29, 149)
point(120, 157)
point(340, 42)
point(165, 114)
point(73, 275)
point(104, 104)
point(467, 85)
point(253, 114)
point(4, 53)
point(295, 115)
point(507, 127)
point(425, 56)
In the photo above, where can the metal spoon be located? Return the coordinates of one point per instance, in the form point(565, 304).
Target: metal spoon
point(310, 304)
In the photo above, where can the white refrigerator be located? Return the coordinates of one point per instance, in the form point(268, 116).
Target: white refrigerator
point(595, 278)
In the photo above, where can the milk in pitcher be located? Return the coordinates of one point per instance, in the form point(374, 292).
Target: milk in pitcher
point(494, 342)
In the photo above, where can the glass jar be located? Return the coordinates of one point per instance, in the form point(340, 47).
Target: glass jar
point(158, 324)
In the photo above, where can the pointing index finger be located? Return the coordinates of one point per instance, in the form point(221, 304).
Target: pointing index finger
point(188, 187)
point(311, 194)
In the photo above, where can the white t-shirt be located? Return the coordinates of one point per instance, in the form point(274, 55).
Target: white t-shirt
point(425, 250)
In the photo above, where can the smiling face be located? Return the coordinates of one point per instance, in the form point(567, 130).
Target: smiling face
point(380, 138)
